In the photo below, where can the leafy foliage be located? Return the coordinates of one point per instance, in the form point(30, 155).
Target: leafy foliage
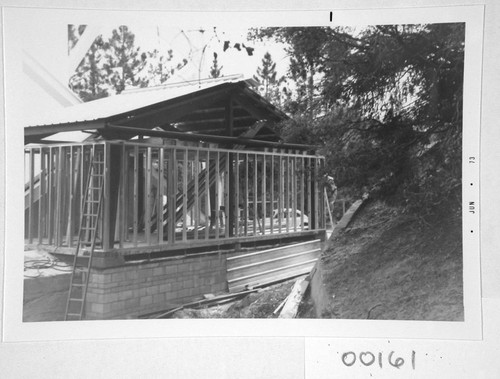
point(389, 118)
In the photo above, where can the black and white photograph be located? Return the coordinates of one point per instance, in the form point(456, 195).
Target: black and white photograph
point(278, 172)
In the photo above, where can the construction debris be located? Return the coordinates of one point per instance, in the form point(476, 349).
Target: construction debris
point(291, 306)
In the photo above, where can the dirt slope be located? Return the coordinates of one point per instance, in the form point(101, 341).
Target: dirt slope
point(386, 265)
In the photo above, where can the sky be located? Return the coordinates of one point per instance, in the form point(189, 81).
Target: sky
point(199, 45)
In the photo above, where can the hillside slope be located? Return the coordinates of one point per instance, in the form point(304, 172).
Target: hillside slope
point(386, 265)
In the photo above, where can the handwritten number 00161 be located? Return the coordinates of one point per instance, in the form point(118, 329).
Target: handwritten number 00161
point(368, 358)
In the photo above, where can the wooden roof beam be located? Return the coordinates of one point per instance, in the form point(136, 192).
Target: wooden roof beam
point(121, 130)
point(170, 111)
point(214, 120)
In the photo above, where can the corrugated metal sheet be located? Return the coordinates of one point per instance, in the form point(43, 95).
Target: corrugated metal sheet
point(127, 101)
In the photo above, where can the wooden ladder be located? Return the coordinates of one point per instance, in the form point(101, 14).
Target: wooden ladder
point(87, 236)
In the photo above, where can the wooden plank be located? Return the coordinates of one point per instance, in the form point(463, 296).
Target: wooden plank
point(50, 208)
point(227, 194)
point(291, 306)
point(281, 194)
point(294, 192)
point(287, 193)
point(314, 182)
point(41, 197)
point(207, 196)
point(264, 194)
point(182, 247)
point(255, 196)
point(301, 178)
point(82, 180)
point(58, 232)
point(217, 191)
point(148, 197)
point(106, 220)
point(184, 195)
point(32, 194)
point(246, 190)
point(196, 173)
point(308, 190)
point(173, 194)
point(161, 191)
point(271, 218)
point(328, 206)
point(136, 196)
point(237, 194)
point(69, 228)
point(122, 220)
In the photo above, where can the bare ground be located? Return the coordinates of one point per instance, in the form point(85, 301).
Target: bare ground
point(387, 265)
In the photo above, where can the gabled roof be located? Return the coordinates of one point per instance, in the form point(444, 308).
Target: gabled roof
point(195, 108)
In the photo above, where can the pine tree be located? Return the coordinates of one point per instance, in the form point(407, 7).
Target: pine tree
point(215, 70)
point(269, 84)
point(90, 79)
point(124, 60)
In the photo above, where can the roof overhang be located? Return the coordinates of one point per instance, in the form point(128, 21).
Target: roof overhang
point(225, 109)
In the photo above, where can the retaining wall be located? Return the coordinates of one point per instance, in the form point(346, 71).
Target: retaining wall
point(142, 287)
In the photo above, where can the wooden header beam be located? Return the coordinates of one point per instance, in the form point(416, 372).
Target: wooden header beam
point(130, 132)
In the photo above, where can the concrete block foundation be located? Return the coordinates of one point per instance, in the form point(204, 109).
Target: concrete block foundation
point(147, 286)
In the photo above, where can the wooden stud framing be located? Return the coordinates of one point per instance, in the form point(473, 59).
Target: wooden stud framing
point(172, 213)
point(69, 233)
point(59, 205)
point(161, 191)
point(31, 168)
point(184, 195)
point(106, 224)
point(271, 197)
point(217, 191)
point(207, 196)
point(255, 196)
point(280, 194)
point(302, 178)
point(245, 208)
point(237, 231)
point(41, 198)
point(227, 191)
point(290, 186)
point(294, 192)
point(135, 225)
point(264, 194)
point(308, 190)
point(196, 173)
point(287, 193)
point(122, 226)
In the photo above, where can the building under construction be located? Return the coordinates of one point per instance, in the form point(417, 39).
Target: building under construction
point(162, 195)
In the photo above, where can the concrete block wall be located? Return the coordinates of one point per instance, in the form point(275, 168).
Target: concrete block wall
point(137, 288)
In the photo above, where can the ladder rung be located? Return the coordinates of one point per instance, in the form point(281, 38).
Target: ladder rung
point(74, 299)
point(74, 314)
point(77, 284)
